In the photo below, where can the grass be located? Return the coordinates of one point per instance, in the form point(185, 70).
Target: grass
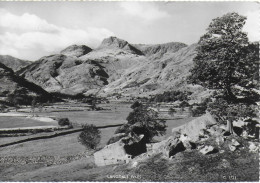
point(68, 145)
point(185, 166)
point(16, 122)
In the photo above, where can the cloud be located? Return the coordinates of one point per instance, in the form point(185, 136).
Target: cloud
point(30, 37)
point(252, 26)
point(146, 11)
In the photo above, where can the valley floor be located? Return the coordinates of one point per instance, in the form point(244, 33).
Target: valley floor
point(63, 158)
point(185, 166)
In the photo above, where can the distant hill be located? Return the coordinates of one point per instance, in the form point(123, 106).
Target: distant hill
point(115, 67)
point(13, 63)
point(11, 84)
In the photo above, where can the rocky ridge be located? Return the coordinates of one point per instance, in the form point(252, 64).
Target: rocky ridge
point(116, 67)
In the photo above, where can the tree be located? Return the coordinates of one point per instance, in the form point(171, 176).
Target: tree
point(143, 120)
point(226, 60)
point(90, 136)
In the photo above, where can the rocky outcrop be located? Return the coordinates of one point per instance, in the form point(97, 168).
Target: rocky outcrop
point(76, 50)
point(168, 147)
point(116, 43)
point(198, 128)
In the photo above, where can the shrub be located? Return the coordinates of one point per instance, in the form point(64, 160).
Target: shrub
point(64, 122)
point(90, 136)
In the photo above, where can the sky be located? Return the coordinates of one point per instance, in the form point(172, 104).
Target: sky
point(30, 30)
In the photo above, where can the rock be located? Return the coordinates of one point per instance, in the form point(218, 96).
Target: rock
point(221, 151)
point(244, 134)
point(253, 147)
point(186, 141)
point(239, 123)
point(169, 147)
point(195, 129)
point(232, 148)
point(225, 163)
point(220, 140)
point(235, 143)
point(134, 164)
point(207, 150)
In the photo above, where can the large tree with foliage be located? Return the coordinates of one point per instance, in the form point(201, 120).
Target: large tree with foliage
point(228, 63)
point(143, 120)
point(226, 60)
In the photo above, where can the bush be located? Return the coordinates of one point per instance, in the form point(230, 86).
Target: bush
point(90, 136)
point(64, 122)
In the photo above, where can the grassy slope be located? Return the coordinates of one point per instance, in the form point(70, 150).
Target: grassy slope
point(185, 166)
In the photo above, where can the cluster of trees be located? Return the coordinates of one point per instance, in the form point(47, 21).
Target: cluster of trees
point(229, 64)
point(171, 96)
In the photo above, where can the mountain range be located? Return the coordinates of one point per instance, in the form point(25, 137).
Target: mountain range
point(116, 67)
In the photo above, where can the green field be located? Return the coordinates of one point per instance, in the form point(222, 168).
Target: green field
point(16, 122)
point(65, 146)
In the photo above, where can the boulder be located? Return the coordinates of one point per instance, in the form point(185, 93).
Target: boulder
point(253, 147)
point(239, 123)
point(234, 142)
point(207, 150)
point(233, 145)
point(187, 142)
point(168, 147)
point(220, 140)
point(196, 128)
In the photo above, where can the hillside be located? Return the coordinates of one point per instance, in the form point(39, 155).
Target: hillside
point(115, 67)
point(13, 63)
point(10, 84)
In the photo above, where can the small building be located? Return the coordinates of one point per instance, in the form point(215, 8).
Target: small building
point(121, 151)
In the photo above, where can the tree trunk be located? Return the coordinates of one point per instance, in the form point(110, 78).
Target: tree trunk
point(230, 126)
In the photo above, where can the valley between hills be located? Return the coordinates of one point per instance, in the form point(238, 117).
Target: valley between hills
point(45, 104)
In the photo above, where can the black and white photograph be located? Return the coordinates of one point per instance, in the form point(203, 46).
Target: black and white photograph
point(129, 91)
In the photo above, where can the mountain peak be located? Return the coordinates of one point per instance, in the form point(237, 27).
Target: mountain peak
point(116, 43)
point(76, 50)
point(113, 42)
